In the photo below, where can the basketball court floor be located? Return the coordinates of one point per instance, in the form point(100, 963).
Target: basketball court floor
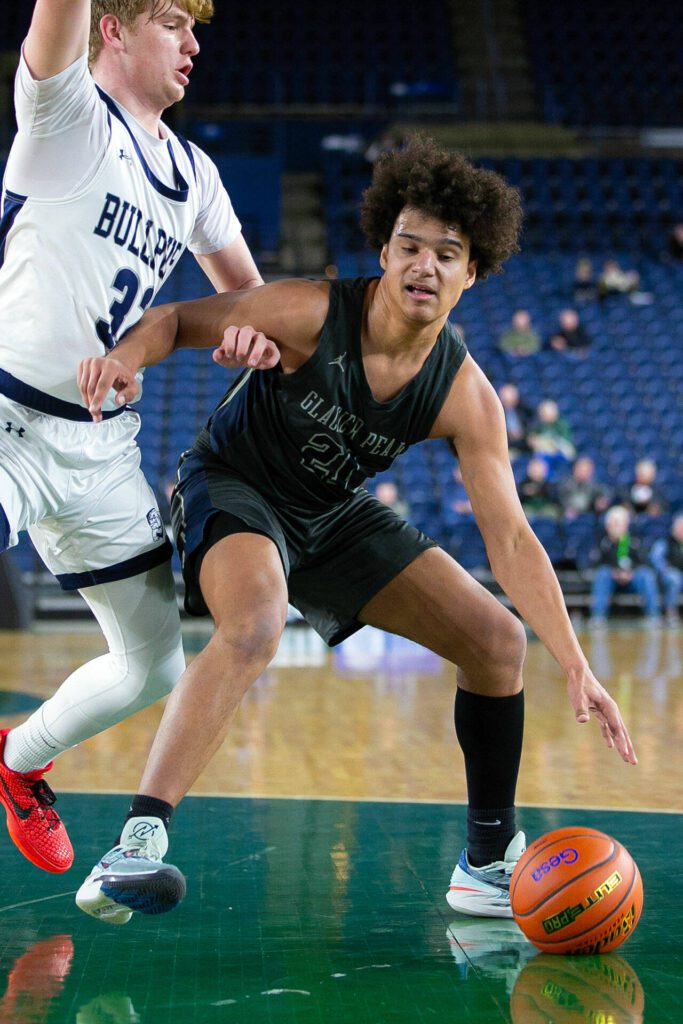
point(319, 844)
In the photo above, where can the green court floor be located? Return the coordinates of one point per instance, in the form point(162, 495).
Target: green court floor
point(319, 911)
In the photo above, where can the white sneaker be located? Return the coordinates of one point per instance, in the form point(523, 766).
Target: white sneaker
point(132, 876)
point(485, 891)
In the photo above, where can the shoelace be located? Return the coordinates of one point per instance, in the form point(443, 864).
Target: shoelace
point(45, 798)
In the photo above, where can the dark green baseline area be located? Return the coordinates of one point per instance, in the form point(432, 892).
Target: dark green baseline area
point(314, 911)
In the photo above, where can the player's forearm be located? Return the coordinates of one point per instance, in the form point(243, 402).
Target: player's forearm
point(152, 339)
point(525, 573)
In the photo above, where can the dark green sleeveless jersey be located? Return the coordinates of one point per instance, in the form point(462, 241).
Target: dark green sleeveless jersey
point(307, 440)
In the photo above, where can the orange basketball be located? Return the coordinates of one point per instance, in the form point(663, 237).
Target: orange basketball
point(576, 890)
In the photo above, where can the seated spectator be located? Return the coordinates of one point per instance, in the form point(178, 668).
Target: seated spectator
point(535, 491)
point(580, 492)
point(667, 558)
point(387, 492)
point(585, 288)
point(621, 564)
point(642, 496)
point(521, 339)
point(570, 336)
point(550, 435)
point(676, 242)
point(386, 142)
point(615, 281)
point(517, 418)
point(456, 496)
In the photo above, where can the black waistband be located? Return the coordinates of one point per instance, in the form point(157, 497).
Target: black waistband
point(24, 394)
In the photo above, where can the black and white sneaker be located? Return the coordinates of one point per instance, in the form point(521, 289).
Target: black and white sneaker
point(133, 877)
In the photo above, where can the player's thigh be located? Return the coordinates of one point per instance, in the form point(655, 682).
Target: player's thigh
point(30, 487)
point(139, 613)
point(434, 602)
point(110, 527)
point(243, 584)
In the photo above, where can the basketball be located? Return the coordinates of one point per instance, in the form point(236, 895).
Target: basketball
point(576, 890)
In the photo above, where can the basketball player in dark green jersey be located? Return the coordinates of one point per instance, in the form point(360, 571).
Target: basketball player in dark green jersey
point(342, 377)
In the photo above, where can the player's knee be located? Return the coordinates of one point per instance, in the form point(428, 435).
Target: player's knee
point(165, 669)
point(252, 645)
point(506, 652)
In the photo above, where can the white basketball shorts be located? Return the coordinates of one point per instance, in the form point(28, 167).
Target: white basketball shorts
point(77, 487)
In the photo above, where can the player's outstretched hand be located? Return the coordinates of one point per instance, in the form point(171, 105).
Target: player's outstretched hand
point(588, 698)
point(98, 375)
point(244, 346)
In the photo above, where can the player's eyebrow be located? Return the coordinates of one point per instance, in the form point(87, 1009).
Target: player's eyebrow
point(441, 241)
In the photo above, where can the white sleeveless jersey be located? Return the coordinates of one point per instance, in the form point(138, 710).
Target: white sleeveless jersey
point(95, 214)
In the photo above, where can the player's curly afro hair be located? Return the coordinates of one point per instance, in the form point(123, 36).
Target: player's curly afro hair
point(447, 186)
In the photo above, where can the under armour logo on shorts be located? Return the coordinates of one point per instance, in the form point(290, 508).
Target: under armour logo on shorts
point(17, 430)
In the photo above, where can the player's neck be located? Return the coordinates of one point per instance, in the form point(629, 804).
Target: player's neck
point(386, 329)
point(147, 115)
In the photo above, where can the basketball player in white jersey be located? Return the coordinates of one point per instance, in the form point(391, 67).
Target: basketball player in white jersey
point(99, 200)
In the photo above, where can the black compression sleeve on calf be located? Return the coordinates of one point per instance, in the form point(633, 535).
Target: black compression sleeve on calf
point(490, 731)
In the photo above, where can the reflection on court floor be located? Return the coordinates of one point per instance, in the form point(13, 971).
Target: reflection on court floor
point(317, 893)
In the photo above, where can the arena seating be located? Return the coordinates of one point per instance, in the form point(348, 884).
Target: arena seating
point(569, 204)
point(612, 64)
point(320, 55)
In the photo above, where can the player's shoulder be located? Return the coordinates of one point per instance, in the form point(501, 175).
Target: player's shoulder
point(296, 295)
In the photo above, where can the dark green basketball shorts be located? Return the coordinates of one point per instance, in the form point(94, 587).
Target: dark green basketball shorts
point(334, 561)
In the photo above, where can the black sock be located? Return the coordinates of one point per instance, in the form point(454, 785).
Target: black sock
point(148, 806)
point(490, 730)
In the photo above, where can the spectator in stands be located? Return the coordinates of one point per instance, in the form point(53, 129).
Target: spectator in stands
point(621, 564)
point(550, 436)
point(580, 492)
point(386, 142)
point(585, 288)
point(675, 251)
point(642, 496)
point(388, 493)
point(517, 418)
point(535, 491)
point(614, 280)
point(667, 558)
point(521, 339)
point(570, 335)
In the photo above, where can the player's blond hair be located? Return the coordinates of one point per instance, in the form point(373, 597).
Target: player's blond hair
point(128, 10)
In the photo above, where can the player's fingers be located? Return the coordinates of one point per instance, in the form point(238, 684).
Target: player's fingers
point(82, 378)
point(271, 356)
point(108, 374)
point(226, 348)
point(243, 342)
point(261, 354)
point(615, 732)
point(126, 391)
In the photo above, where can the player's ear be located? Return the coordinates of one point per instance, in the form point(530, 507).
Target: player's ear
point(471, 273)
point(110, 30)
point(383, 257)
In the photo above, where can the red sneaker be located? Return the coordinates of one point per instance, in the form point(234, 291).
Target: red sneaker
point(32, 822)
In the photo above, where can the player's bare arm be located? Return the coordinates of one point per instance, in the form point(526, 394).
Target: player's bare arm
point(473, 418)
point(259, 328)
point(231, 269)
point(58, 36)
